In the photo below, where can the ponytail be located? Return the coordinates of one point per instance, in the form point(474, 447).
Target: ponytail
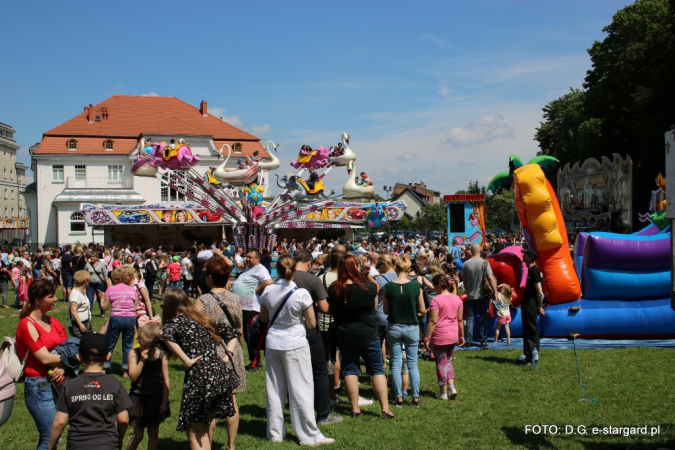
point(285, 268)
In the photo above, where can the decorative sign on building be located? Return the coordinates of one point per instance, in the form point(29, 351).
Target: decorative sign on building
point(597, 195)
point(148, 214)
point(14, 223)
point(466, 218)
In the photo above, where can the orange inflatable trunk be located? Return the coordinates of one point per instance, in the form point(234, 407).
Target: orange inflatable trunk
point(541, 217)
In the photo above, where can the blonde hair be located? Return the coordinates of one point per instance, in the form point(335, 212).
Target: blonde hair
point(81, 277)
point(386, 259)
point(130, 269)
point(434, 267)
point(285, 268)
point(403, 263)
point(78, 250)
point(362, 259)
point(149, 334)
point(122, 276)
point(506, 293)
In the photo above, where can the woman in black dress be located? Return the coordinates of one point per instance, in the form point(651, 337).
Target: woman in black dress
point(210, 380)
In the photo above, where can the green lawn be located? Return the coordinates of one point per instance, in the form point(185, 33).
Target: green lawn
point(497, 399)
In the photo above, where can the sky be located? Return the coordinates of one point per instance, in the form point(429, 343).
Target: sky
point(438, 91)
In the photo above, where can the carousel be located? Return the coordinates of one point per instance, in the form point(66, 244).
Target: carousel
point(235, 195)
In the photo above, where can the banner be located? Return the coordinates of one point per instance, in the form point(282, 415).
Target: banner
point(14, 223)
point(183, 213)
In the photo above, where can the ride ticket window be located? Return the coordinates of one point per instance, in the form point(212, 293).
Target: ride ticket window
point(457, 218)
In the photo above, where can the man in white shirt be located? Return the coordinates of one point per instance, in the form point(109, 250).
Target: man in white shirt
point(362, 250)
point(248, 287)
point(239, 263)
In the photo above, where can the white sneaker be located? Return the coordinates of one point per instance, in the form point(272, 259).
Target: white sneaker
point(453, 392)
point(364, 401)
point(324, 441)
point(442, 395)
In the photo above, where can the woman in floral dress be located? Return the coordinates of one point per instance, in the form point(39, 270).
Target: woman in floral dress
point(223, 307)
point(209, 380)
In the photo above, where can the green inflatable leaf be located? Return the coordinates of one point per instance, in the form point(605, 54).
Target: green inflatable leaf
point(501, 181)
point(516, 161)
point(545, 162)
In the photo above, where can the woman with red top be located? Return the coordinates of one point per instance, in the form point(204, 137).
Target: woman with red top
point(38, 334)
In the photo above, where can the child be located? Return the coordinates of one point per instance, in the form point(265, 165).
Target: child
point(255, 158)
point(92, 403)
point(173, 270)
point(241, 163)
point(24, 282)
point(365, 181)
point(149, 373)
point(502, 309)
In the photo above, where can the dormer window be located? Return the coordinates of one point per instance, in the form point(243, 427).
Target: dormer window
point(108, 144)
point(236, 148)
point(71, 144)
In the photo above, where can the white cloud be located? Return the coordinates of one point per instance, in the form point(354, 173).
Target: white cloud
point(444, 90)
point(392, 169)
point(261, 131)
point(485, 128)
point(151, 94)
point(219, 112)
point(435, 39)
point(407, 156)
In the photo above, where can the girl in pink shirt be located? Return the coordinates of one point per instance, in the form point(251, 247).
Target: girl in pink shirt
point(445, 330)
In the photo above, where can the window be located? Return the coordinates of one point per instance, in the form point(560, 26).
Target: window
point(57, 174)
point(77, 224)
point(80, 173)
point(115, 173)
point(169, 194)
point(5, 194)
point(5, 173)
point(108, 145)
point(5, 211)
point(71, 144)
point(12, 212)
point(11, 174)
point(12, 194)
point(236, 148)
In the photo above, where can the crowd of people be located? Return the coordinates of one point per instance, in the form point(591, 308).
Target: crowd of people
point(332, 305)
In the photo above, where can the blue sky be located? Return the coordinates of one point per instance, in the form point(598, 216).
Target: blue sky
point(434, 90)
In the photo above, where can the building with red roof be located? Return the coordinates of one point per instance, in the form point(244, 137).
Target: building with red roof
point(88, 159)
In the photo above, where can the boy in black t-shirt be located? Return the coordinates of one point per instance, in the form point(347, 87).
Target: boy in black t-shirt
point(92, 403)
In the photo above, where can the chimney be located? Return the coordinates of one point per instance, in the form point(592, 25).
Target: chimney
point(90, 113)
point(202, 109)
point(423, 185)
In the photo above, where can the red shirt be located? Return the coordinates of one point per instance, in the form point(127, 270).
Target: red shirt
point(174, 271)
point(50, 339)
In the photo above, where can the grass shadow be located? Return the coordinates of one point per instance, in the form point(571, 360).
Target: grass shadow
point(253, 421)
point(496, 359)
point(517, 436)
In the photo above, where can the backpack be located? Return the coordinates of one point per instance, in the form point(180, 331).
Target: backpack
point(150, 270)
point(7, 394)
point(10, 357)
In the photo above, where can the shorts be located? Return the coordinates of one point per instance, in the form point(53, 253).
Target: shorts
point(67, 279)
point(503, 320)
point(353, 348)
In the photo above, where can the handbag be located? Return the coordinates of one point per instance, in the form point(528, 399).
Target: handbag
point(487, 287)
point(259, 330)
point(9, 357)
point(7, 393)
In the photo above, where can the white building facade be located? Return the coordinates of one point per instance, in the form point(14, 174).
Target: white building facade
point(70, 169)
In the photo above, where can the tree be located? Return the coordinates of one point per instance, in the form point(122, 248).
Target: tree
point(431, 218)
point(626, 102)
point(500, 210)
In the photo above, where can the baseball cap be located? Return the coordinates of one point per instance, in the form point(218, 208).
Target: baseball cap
point(93, 344)
point(176, 257)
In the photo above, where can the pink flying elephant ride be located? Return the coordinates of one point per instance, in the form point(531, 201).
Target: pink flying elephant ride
point(173, 156)
point(311, 158)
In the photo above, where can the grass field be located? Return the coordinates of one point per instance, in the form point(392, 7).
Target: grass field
point(497, 399)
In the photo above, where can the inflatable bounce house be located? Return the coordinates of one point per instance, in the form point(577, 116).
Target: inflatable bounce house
point(614, 286)
point(466, 218)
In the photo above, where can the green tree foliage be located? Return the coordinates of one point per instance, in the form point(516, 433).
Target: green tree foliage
point(627, 99)
point(500, 210)
point(431, 218)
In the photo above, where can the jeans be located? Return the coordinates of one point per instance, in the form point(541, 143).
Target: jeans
point(470, 307)
point(92, 291)
point(174, 284)
point(41, 406)
point(398, 334)
point(4, 290)
point(319, 373)
point(150, 285)
point(529, 315)
point(67, 279)
point(126, 326)
point(352, 348)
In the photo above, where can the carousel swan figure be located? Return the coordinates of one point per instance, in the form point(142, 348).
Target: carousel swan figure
point(347, 155)
point(235, 177)
point(353, 190)
point(274, 163)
